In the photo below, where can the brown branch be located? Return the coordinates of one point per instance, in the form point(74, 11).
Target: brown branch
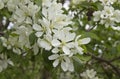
point(114, 59)
point(107, 62)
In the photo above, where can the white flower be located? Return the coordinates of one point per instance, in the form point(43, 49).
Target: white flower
point(47, 3)
point(28, 20)
point(45, 42)
point(11, 4)
point(54, 17)
point(18, 39)
point(79, 42)
point(32, 9)
point(116, 16)
point(108, 16)
point(23, 39)
point(18, 16)
point(107, 12)
point(89, 74)
point(21, 12)
point(4, 40)
point(45, 25)
point(63, 40)
point(96, 15)
point(66, 63)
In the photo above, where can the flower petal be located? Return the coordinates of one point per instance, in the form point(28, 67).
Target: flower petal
point(55, 63)
point(71, 67)
point(64, 66)
point(37, 27)
point(55, 50)
point(79, 49)
point(66, 50)
point(35, 49)
point(44, 44)
point(10, 62)
point(84, 41)
point(17, 50)
point(55, 42)
point(67, 59)
point(38, 34)
point(53, 57)
point(70, 37)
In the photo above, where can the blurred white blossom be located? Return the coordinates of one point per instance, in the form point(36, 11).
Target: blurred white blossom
point(89, 74)
point(108, 16)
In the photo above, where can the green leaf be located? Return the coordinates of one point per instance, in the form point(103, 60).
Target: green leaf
point(32, 38)
point(5, 12)
point(47, 63)
point(91, 35)
point(77, 60)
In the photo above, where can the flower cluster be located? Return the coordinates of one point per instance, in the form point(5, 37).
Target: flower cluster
point(23, 15)
point(108, 16)
point(89, 74)
point(52, 31)
point(58, 37)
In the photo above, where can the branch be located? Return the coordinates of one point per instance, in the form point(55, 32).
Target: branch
point(106, 61)
point(116, 58)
